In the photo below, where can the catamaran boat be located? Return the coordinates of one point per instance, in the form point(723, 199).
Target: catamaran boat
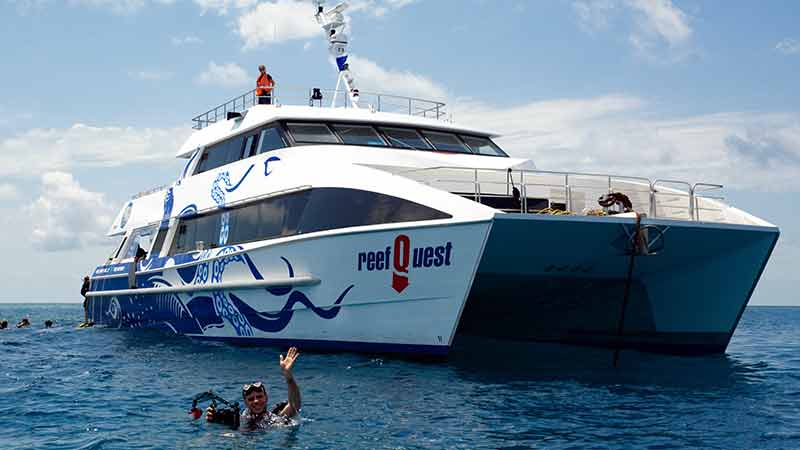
point(376, 224)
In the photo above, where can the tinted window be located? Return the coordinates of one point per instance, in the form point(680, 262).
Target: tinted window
point(405, 138)
point(162, 233)
point(446, 142)
point(250, 144)
point(483, 146)
point(331, 208)
point(220, 154)
point(301, 212)
point(272, 217)
point(199, 232)
point(358, 135)
point(311, 133)
point(270, 140)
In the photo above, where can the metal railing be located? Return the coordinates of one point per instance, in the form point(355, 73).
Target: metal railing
point(576, 192)
point(322, 98)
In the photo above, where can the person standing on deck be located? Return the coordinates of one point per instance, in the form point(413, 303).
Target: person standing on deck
point(140, 255)
point(264, 86)
point(84, 290)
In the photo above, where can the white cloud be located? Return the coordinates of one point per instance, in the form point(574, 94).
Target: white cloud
point(663, 19)
point(616, 134)
point(273, 22)
point(180, 41)
point(788, 46)
point(8, 191)
point(66, 216)
point(150, 75)
point(659, 27)
point(225, 75)
point(40, 150)
point(595, 15)
point(277, 21)
point(120, 6)
point(369, 76)
point(222, 7)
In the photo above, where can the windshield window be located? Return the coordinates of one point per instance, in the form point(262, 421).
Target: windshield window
point(483, 146)
point(446, 142)
point(143, 237)
point(359, 135)
point(270, 140)
point(405, 138)
point(312, 133)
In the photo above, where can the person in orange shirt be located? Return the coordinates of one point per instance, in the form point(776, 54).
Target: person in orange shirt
point(264, 86)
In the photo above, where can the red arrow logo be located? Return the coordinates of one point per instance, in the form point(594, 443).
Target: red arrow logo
point(399, 282)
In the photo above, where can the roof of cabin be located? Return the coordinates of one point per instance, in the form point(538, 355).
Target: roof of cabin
point(260, 115)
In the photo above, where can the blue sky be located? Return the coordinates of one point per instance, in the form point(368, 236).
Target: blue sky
point(98, 94)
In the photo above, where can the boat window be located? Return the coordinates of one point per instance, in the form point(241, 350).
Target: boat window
point(446, 142)
point(159, 243)
point(250, 144)
point(270, 140)
point(142, 237)
point(197, 233)
point(299, 212)
point(358, 135)
point(311, 133)
point(117, 249)
point(331, 208)
point(219, 154)
point(405, 138)
point(483, 146)
point(269, 218)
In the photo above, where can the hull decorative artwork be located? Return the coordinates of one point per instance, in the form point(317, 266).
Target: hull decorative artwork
point(218, 309)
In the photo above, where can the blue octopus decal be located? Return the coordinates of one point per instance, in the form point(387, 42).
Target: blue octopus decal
point(218, 191)
point(221, 307)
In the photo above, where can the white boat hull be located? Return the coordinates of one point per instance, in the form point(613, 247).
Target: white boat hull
point(521, 277)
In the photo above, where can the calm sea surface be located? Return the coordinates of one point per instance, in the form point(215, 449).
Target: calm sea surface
point(119, 389)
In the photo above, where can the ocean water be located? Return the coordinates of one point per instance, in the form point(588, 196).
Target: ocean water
point(61, 388)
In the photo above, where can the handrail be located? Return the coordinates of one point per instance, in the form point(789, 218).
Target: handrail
point(372, 100)
point(569, 184)
point(302, 280)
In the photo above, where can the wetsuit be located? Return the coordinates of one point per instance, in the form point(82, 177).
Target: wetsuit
point(269, 419)
point(251, 422)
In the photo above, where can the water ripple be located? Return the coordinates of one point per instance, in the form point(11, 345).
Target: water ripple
point(102, 388)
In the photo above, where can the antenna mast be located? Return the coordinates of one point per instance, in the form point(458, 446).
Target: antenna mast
point(334, 25)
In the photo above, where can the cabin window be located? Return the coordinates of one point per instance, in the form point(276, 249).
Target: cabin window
point(446, 142)
point(250, 146)
point(331, 208)
point(299, 212)
point(483, 146)
point(270, 140)
point(197, 233)
point(268, 218)
point(159, 242)
point(359, 135)
point(142, 237)
point(219, 154)
point(311, 133)
point(405, 138)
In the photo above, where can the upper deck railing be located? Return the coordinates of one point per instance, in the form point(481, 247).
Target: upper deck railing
point(577, 193)
point(323, 98)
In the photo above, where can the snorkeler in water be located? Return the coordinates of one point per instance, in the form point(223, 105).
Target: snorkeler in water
point(3, 324)
point(24, 323)
point(256, 415)
point(48, 323)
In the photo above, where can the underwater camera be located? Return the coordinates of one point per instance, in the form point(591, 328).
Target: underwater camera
point(228, 415)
